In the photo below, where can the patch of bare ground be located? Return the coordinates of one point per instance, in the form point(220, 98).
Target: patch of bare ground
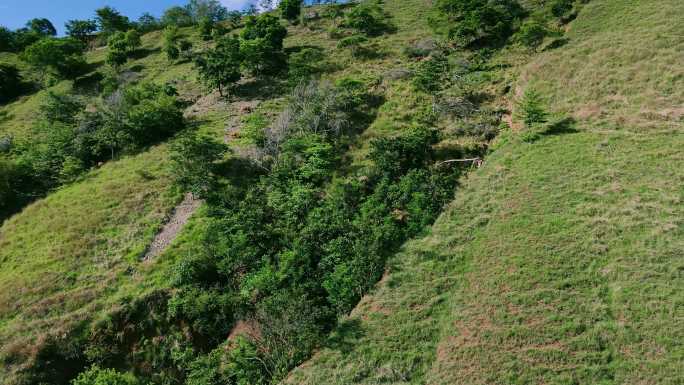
point(180, 216)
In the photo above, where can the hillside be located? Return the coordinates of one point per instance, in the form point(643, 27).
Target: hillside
point(339, 255)
point(559, 260)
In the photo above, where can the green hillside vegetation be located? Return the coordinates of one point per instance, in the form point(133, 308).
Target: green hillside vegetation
point(324, 142)
point(558, 262)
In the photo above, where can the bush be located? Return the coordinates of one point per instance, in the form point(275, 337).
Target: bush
point(531, 34)
point(290, 9)
point(396, 156)
point(194, 163)
point(206, 26)
point(220, 67)
point(560, 8)
point(98, 376)
point(367, 18)
point(431, 74)
point(10, 82)
point(531, 108)
point(354, 43)
point(266, 27)
point(478, 22)
point(303, 65)
point(170, 42)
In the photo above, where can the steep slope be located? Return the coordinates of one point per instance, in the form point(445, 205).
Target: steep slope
point(560, 260)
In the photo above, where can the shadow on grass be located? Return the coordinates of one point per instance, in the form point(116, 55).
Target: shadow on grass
point(144, 52)
point(345, 336)
point(561, 127)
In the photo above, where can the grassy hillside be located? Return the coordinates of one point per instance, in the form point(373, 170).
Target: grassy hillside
point(559, 260)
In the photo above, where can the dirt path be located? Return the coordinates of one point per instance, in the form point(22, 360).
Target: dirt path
point(181, 215)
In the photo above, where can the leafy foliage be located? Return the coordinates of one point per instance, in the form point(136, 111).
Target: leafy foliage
point(531, 33)
point(531, 108)
point(60, 57)
point(430, 74)
point(109, 20)
point(479, 22)
point(98, 376)
point(194, 162)
point(290, 9)
point(368, 18)
point(220, 67)
point(41, 26)
point(81, 29)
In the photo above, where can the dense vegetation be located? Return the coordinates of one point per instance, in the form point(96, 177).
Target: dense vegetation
point(319, 138)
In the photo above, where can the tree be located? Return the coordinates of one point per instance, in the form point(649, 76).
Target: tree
point(110, 20)
point(41, 26)
point(290, 9)
point(266, 27)
point(6, 39)
point(10, 82)
point(170, 42)
point(81, 29)
point(132, 39)
point(479, 22)
point(194, 160)
point(212, 9)
point(24, 37)
point(531, 108)
point(62, 57)
point(206, 27)
point(177, 16)
point(220, 67)
point(117, 49)
point(147, 23)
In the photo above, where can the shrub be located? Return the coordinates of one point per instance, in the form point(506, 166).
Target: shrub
point(60, 108)
point(117, 53)
point(170, 42)
point(265, 27)
point(6, 39)
point(560, 8)
point(531, 34)
point(354, 43)
point(367, 18)
point(531, 108)
point(396, 156)
point(431, 74)
point(98, 376)
point(290, 9)
point(10, 82)
point(194, 163)
point(206, 26)
point(303, 65)
point(478, 22)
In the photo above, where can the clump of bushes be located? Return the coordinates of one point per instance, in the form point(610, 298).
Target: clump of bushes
point(61, 58)
point(477, 22)
point(368, 18)
point(431, 74)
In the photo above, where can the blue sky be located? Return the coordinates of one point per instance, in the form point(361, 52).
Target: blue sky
point(15, 13)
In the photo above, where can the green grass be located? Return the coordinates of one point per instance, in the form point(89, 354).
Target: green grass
point(65, 258)
point(559, 262)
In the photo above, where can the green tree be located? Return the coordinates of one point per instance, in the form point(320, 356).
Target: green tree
point(194, 160)
point(81, 29)
point(290, 9)
point(177, 16)
point(206, 27)
point(531, 108)
point(109, 20)
point(265, 27)
point(117, 49)
point(41, 26)
point(132, 39)
point(220, 67)
point(212, 9)
point(62, 57)
point(147, 23)
point(170, 42)
point(6, 39)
